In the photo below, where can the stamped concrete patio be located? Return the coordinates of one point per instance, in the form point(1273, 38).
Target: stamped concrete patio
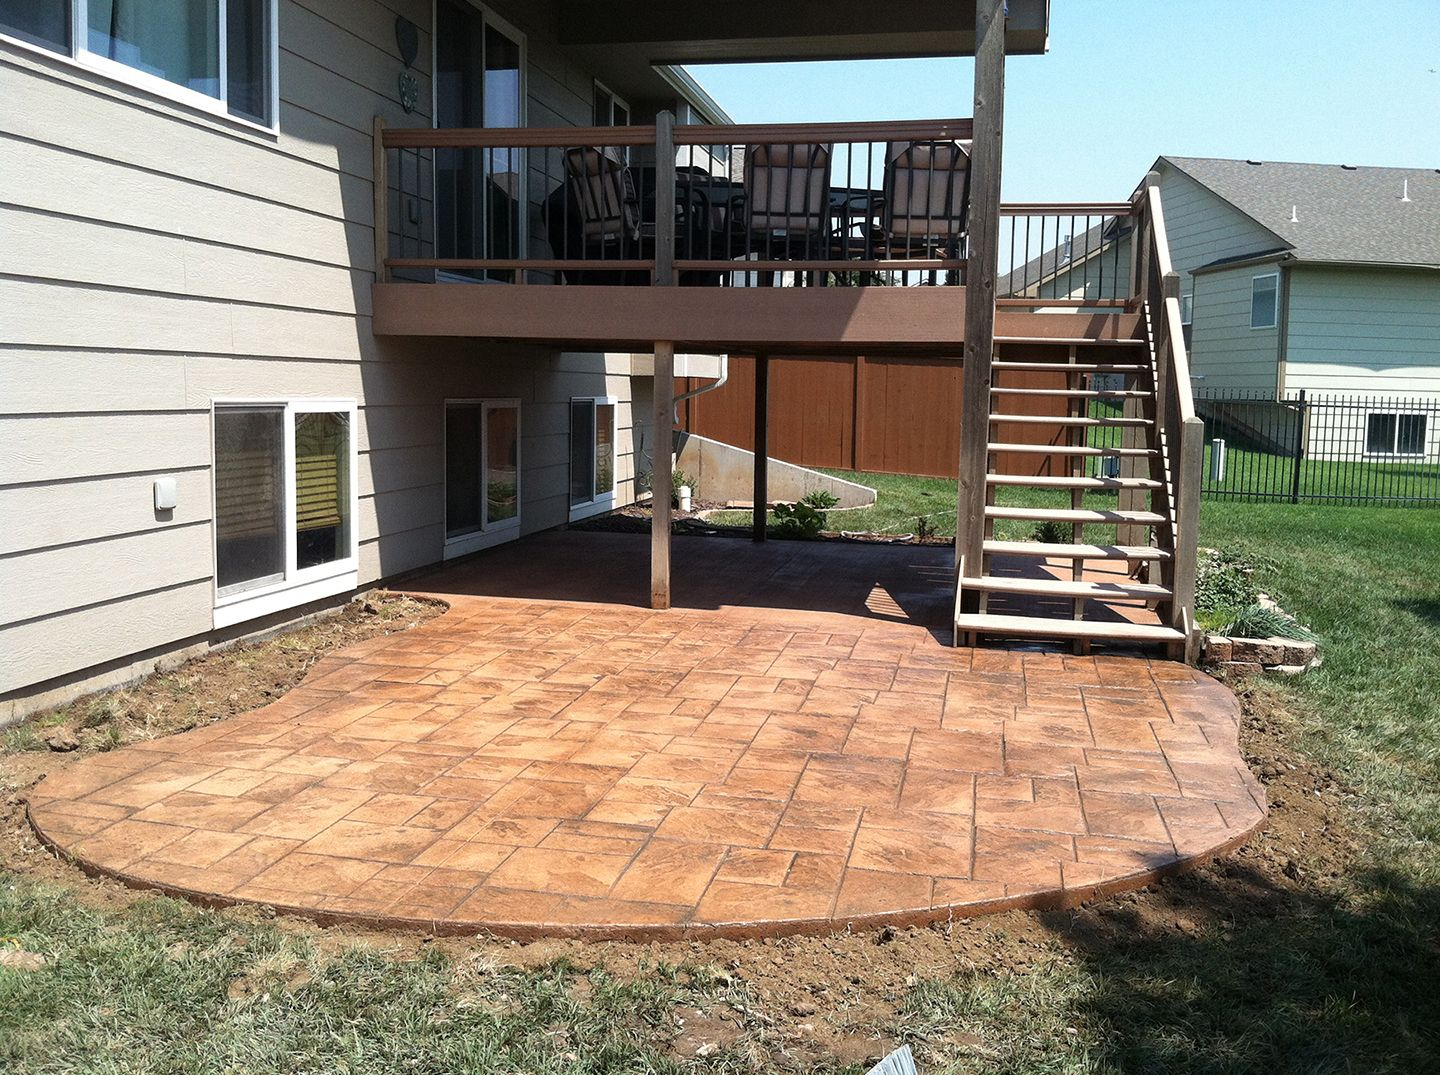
point(531, 765)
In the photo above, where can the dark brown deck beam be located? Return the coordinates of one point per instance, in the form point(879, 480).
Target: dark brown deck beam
point(829, 320)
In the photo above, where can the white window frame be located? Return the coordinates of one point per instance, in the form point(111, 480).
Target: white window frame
point(489, 533)
point(298, 587)
point(601, 501)
point(1275, 318)
point(114, 71)
point(1394, 452)
point(509, 30)
point(1187, 308)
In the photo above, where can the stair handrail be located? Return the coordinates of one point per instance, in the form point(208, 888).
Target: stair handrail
point(1180, 433)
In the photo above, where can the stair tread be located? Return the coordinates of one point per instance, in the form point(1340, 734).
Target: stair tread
point(1040, 627)
point(1045, 419)
point(1074, 393)
point(1071, 367)
point(1075, 552)
point(1066, 587)
point(1072, 515)
point(1064, 449)
point(1040, 481)
point(1069, 340)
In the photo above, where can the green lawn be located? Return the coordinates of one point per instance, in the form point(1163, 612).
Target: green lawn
point(903, 500)
point(1313, 952)
point(1249, 472)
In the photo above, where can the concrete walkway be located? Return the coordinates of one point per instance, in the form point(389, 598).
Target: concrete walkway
point(536, 766)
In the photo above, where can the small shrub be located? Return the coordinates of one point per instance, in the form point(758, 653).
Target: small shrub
point(1052, 533)
point(1257, 621)
point(1224, 584)
point(799, 520)
point(820, 499)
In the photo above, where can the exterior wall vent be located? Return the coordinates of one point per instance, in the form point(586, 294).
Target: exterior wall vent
point(1254, 162)
point(1348, 167)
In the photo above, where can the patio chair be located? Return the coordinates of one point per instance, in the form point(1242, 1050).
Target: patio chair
point(787, 201)
point(926, 199)
point(602, 190)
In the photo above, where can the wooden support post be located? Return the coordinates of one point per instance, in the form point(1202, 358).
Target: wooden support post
point(380, 180)
point(980, 272)
point(661, 480)
point(762, 446)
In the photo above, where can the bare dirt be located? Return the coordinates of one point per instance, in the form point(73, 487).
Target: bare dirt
point(807, 999)
point(204, 690)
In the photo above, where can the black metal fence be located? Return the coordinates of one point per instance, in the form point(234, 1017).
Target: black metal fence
point(1321, 448)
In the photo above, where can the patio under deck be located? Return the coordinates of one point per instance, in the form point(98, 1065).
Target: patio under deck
point(796, 749)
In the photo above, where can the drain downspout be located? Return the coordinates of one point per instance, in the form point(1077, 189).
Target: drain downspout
point(717, 383)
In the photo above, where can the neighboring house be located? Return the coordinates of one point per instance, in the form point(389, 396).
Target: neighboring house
point(185, 274)
point(1294, 277)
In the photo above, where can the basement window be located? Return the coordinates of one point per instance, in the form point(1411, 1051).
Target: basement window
point(285, 506)
point(592, 456)
point(217, 55)
point(1264, 300)
point(1395, 434)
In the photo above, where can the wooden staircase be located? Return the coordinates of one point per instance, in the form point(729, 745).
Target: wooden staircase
point(1106, 452)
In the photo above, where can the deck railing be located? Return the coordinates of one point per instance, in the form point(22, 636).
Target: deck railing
point(1181, 434)
point(1065, 254)
point(836, 204)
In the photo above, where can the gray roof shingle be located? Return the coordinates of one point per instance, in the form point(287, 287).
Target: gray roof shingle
point(1339, 213)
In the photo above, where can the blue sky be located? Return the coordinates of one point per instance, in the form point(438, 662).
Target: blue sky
point(1330, 81)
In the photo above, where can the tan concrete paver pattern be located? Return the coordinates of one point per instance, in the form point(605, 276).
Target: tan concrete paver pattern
point(537, 767)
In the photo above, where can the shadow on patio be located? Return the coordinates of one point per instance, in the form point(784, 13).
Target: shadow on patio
point(901, 584)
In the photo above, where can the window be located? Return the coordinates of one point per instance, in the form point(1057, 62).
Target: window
point(610, 111)
point(479, 193)
point(592, 456)
point(1395, 434)
point(285, 506)
point(1187, 309)
point(217, 54)
point(1264, 300)
point(482, 472)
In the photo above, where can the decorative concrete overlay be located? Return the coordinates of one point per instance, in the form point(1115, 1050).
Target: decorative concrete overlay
point(539, 767)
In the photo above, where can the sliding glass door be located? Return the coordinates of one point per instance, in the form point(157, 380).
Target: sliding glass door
point(482, 473)
point(479, 82)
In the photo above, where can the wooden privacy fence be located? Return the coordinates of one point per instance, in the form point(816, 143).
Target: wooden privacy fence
point(890, 414)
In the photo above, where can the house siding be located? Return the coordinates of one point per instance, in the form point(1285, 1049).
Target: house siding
point(155, 260)
point(1226, 354)
point(1372, 331)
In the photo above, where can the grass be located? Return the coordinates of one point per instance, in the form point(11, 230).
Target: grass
point(1367, 581)
point(167, 988)
point(903, 500)
point(1248, 471)
point(1231, 970)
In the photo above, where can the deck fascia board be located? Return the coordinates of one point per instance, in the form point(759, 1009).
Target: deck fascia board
point(830, 319)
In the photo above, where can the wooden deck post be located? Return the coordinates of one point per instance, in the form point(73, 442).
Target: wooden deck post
point(661, 474)
point(380, 182)
point(662, 481)
point(761, 507)
point(980, 272)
